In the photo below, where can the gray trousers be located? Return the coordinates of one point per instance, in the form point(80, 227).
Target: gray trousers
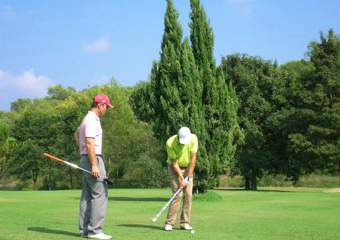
point(93, 200)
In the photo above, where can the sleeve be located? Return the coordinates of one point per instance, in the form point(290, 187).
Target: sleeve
point(170, 151)
point(90, 128)
point(194, 144)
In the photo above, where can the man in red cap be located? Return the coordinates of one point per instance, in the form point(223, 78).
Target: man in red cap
point(95, 191)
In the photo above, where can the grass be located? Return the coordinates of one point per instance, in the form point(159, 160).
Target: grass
point(271, 213)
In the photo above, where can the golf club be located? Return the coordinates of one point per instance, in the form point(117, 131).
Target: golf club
point(110, 182)
point(186, 180)
point(160, 212)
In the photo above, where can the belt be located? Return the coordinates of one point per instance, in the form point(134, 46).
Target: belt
point(183, 168)
point(98, 155)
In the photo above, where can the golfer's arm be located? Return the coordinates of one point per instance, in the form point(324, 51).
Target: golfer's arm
point(177, 169)
point(192, 164)
point(76, 136)
point(90, 152)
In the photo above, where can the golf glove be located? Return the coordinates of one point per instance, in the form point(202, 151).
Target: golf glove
point(188, 180)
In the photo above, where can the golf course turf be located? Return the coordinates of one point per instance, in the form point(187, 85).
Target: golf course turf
point(270, 213)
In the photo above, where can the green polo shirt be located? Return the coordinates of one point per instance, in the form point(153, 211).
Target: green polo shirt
point(181, 152)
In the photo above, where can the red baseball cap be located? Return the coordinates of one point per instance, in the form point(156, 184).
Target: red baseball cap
point(102, 98)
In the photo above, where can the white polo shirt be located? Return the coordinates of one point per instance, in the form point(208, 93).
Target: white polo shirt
point(90, 127)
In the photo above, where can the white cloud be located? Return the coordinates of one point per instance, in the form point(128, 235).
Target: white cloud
point(7, 12)
point(245, 6)
point(25, 85)
point(37, 84)
point(98, 46)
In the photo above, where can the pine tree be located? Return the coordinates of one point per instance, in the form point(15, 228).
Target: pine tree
point(165, 76)
point(191, 91)
point(186, 89)
point(219, 103)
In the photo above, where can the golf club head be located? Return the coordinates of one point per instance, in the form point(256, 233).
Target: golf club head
point(109, 182)
point(153, 219)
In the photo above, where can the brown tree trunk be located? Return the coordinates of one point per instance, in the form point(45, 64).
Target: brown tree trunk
point(253, 181)
point(35, 173)
point(247, 183)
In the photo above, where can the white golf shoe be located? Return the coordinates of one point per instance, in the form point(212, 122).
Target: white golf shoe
point(186, 227)
point(99, 236)
point(168, 228)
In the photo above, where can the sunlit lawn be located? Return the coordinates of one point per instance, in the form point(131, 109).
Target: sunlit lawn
point(272, 213)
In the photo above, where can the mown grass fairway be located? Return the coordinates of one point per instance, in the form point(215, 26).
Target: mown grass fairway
point(270, 214)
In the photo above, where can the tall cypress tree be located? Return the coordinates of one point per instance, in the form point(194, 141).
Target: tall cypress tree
point(219, 104)
point(186, 89)
point(165, 76)
point(175, 92)
point(191, 90)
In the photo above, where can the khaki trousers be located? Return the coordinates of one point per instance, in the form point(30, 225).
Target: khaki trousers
point(186, 194)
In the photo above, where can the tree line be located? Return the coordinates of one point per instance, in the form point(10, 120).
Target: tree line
point(251, 116)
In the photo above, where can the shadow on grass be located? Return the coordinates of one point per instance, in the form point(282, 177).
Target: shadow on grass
point(140, 226)
point(242, 189)
point(131, 199)
point(52, 231)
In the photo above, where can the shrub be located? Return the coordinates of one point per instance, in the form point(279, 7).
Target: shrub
point(274, 181)
point(312, 180)
point(146, 173)
point(206, 197)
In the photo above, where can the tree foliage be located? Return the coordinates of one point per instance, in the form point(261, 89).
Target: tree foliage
point(186, 89)
point(48, 125)
point(7, 143)
point(60, 93)
point(313, 137)
point(286, 117)
point(220, 133)
point(254, 80)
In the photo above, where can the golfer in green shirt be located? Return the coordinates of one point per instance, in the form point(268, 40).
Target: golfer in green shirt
point(181, 150)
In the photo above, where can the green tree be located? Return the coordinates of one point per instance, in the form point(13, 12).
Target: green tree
point(306, 124)
point(60, 93)
point(221, 132)
point(140, 101)
point(28, 161)
point(290, 115)
point(173, 97)
point(7, 143)
point(37, 130)
point(21, 103)
point(186, 89)
point(48, 125)
point(318, 141)
point(254, 80)
point(165, 98)
point(67, 116)
point(125, 138)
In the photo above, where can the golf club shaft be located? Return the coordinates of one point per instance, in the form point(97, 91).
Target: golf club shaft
point(167, 204)
point(76, 167)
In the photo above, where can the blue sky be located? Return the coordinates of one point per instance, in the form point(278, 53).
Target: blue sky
point(85, 43)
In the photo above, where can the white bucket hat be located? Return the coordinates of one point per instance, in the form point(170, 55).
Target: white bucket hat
point(184, 135)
